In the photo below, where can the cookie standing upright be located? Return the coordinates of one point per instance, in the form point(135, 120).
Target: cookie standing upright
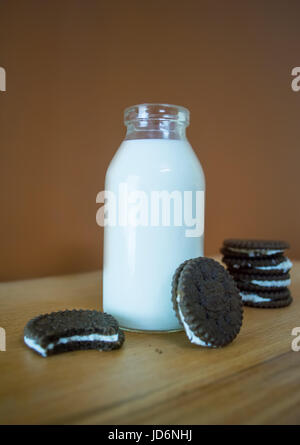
point(207, 302)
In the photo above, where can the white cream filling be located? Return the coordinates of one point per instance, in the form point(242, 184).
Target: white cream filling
point(192, 337)
point(285, 266)
point(255, 252)
point(270, 283)
point(64, 340)
point(253, 298)
point(34, 345)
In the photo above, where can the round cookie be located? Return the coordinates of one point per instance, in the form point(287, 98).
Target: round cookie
point(262, 282)
point(208, 303)
point(264, 296)
point(67, 330)
point(174, 288)
point(264, 266)
point(253, 248)
point(271, 304)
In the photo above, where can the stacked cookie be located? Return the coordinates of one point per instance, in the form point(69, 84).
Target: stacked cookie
point(260, 270)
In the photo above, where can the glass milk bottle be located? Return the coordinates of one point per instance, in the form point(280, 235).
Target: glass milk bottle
point(153, 216)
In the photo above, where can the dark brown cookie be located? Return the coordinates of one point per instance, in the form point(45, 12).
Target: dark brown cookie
point(263, 265)
point(256, 244)
point(63, 331)
point(270, 304)
point(261, 282)
point(207, 302)
point(264, 296)
point(174, 287)
point(253, 248)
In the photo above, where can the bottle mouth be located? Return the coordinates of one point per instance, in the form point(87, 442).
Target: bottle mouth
point(155, 111)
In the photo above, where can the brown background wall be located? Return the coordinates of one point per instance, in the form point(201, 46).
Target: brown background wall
point(73, 66)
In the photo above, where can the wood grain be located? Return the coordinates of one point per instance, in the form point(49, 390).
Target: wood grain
point(153, 379)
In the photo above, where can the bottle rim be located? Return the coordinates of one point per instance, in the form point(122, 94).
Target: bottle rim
point(157, 111)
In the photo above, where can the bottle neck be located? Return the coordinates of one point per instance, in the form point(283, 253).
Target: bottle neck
point(155, 129)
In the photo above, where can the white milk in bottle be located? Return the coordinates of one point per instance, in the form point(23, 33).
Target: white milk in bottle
point(153, 216)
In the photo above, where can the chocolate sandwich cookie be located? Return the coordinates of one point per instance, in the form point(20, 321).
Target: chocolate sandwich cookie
point(262, 282)
point(253, 248)
point(259, 296)
point(64, 331)
point(174, 288)
point(263, 266)
point(207, 302)
point(253, 300)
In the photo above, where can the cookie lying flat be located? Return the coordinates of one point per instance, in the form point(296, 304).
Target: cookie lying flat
point(253, 248)
point(255, 300)
point(262, 282)
point(264, 266)
point(264, 296)
point(64, 331)
point(207, 302)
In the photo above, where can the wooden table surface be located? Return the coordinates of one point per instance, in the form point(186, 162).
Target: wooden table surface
point(152, 379)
